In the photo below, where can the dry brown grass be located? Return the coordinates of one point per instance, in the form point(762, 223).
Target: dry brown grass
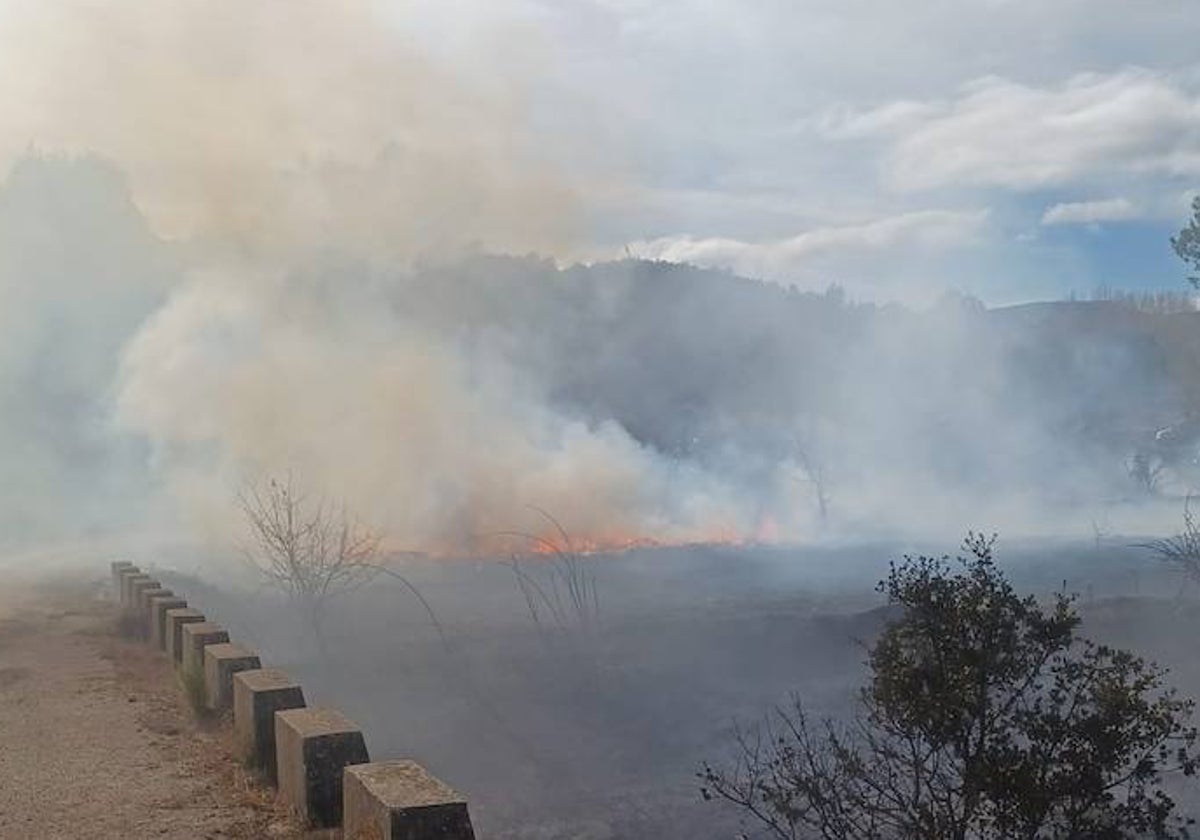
point(60, 635)
point(174, 713)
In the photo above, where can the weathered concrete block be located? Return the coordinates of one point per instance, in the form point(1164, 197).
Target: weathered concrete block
point(157, 622)
point(312, 746)
point(138, 587)
point(146, 608)
point(120, 576)
point(196, 637)
point(221, 662)
point(257, 696)
point(399, 800)
point(173, 631)
point(127, 578)
point(119, 566)
point(144, 596)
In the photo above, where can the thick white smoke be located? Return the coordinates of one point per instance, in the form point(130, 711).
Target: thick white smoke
point(267, 293)
point(262, 138)
point(270, 129)
point(443, 447)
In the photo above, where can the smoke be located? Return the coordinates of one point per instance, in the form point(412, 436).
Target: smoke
point(444, 401)
point(260, 141)
point(78, 273)
point(444, 447)
point(253, 248)
point(278, 127)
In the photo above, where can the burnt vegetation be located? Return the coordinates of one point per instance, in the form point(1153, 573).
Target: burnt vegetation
point(557, 584)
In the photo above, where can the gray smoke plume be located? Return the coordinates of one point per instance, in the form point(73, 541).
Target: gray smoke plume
point(255, 245)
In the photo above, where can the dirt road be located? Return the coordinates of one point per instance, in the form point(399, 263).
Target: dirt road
point(96, 740)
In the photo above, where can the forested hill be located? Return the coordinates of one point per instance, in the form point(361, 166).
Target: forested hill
point(703, 363)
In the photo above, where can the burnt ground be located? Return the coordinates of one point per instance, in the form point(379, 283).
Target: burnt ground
point(551, 733)
point(562, 734)
point(96, 739)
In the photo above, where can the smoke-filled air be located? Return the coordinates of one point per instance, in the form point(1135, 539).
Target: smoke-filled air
point(657, 328)
point(266, 242)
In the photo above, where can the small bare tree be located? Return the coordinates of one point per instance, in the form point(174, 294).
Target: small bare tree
point(1146, 470)
point(818, 477)
point(814, 470)
point(309, 549)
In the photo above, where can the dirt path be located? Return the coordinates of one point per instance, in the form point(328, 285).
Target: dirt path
point(95, 737)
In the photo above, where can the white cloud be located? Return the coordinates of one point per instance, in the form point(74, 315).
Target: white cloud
point(999, 133)
point(1090, 212)
point(781, 259)
point(901, 115)
point(728, 119)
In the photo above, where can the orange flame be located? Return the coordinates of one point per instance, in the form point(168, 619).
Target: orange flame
point(548, 542)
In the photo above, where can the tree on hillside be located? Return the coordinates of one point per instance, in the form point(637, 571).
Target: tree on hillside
point(986, 716)
point(1187, 243)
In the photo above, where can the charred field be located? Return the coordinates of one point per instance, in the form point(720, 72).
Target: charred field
point(558, 731)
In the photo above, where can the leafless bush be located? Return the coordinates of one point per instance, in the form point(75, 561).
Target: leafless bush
point(1181, 551)
point(1146, 471)
point(818, 476)
point(309, 549)
point(313, 550)
point(559, 589)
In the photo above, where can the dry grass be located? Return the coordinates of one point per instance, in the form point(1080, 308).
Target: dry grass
point(11, 676)
point(71, 631)
point(12, 629)
point(174, 711)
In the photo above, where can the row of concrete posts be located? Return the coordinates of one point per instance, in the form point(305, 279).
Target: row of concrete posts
point(316, 757)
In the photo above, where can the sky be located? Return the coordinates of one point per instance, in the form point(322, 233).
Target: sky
point(1007, 148)
point(1010, 149)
